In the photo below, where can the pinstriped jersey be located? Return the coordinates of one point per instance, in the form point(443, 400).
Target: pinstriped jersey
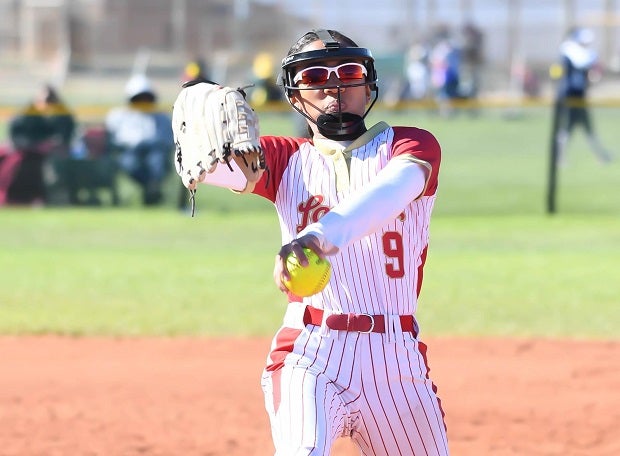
point(382, 272)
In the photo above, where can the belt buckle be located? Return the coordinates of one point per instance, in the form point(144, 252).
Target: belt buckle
point(372, 323)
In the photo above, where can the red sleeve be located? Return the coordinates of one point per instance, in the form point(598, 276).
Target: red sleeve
point(278, 150)
point(422, 145)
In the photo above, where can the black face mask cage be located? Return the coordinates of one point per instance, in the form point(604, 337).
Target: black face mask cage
point(343, 125)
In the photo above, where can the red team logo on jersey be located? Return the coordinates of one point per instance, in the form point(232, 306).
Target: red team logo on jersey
point(311, 211)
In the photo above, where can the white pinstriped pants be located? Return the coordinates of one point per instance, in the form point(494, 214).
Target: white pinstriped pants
point(321, 387)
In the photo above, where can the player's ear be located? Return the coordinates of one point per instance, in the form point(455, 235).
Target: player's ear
point(367, 94)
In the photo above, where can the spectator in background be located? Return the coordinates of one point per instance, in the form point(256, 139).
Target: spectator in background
point(445, 66)
point(472, 61)
point(416, 73)
point(141, 135)
point(46, 124)
point(265, 88)
point(43, 129)
point(196, 68)
point(578, 67)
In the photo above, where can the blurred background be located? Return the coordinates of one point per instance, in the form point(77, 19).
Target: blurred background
point(492, 242)
point(87, 50)
point(89, 47)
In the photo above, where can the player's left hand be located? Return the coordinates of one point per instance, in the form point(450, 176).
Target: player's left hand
point(214, 124)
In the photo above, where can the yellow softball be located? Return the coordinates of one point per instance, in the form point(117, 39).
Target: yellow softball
point(311, 279)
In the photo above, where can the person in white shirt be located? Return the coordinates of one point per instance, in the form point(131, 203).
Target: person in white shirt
point(141, 135)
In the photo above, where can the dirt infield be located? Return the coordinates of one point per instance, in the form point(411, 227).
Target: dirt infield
point(64, 396)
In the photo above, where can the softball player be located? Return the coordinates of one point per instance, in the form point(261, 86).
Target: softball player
point(579, 61)
point(347, 361)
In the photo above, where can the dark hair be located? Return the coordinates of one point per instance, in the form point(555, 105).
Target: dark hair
point(51, 95)
point(144, 97)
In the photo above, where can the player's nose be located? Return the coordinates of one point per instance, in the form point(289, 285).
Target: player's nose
point(334, 84)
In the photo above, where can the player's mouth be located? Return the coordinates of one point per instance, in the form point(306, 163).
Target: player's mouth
point(335, 107)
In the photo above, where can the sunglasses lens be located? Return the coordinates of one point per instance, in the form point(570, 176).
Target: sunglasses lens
point(317, 75)
point(314, 76)
point(350, 72)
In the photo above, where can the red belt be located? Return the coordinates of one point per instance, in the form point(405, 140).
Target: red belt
point(363, 323)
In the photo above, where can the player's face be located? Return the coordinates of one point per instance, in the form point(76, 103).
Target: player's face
point(320, 79)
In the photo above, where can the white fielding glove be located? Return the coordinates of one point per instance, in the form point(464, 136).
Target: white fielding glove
point(214, 124)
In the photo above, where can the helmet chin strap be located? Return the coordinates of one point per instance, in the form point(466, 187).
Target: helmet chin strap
point(342, 127)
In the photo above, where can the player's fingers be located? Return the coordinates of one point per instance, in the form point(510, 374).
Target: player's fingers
point(280, 273)
point(279, 269)
point(297, 248)
point(311, 242)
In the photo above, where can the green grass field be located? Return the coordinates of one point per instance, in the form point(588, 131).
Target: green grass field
point(498, 264)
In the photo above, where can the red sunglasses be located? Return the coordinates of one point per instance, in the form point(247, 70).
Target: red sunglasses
point(319, 75)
